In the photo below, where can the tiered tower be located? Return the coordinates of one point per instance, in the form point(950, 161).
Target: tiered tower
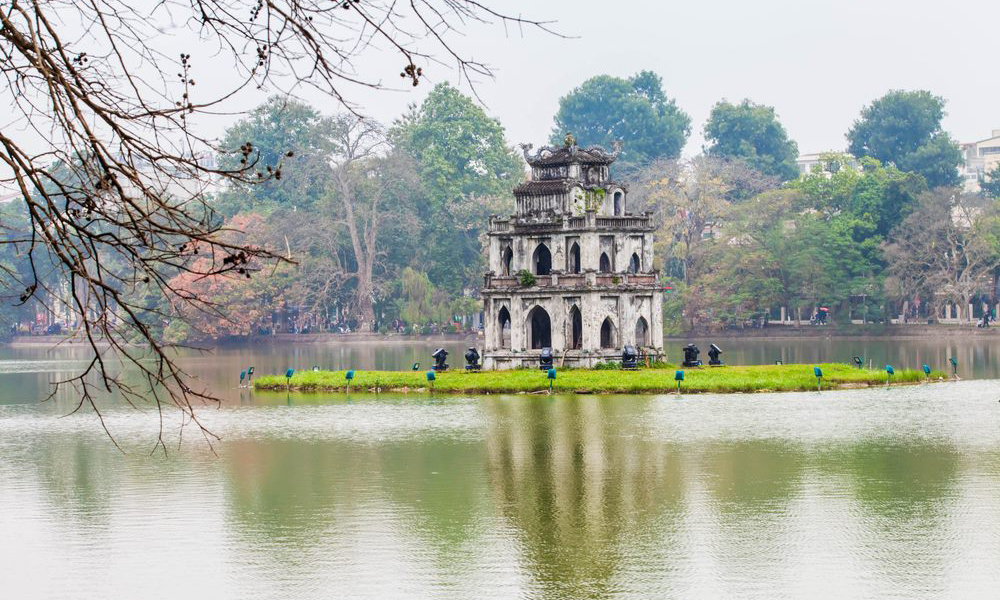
point(572, 269)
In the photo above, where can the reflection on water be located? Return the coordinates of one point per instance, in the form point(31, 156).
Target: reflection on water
point(891, 493)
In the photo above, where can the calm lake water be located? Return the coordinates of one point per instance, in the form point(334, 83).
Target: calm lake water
point(883, 493)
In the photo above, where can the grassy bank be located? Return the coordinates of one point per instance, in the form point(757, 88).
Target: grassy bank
point(758, 378)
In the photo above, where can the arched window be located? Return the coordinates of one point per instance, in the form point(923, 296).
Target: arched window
point(618, 203)
point(539, 328)
point(503, 322)
point(634, 264)
point(542, 260)
point(576, 328)
point(506, 259)
point(574, 258)
point(608, 334)
point(641, 332)
point(605, 263)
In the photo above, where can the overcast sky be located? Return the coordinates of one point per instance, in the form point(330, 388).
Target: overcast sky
point(817, 62)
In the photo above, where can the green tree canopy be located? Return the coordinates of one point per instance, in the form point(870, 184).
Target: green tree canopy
point(460, 153)
point(282, 132)
point(878, 197)
point(635, 110)
point(904, 127)
point(751, 132)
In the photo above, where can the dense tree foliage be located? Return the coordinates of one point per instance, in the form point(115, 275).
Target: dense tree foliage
point(635, 110)
point(904, 128)
point(752, 133)
point(460, 153)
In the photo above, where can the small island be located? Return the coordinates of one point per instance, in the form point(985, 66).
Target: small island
point(657, 380)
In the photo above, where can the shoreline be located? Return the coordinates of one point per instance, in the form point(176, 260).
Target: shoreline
point(660, 380)
point(775, 333)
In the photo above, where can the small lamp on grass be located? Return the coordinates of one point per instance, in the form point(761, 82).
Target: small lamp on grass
point(858, 362)
point(927, 371)
point(416, 366)
point(954, 366)
point(288, 378)
point(431, 376)
point(349, 376)
point(819, 378)
point(679, 377)
point(890, 372)
point(243, 375)
point(249, 375)
point(552, 379)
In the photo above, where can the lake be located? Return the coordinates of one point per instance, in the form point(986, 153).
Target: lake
point(881, 493)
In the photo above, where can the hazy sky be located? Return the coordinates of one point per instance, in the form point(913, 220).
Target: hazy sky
point(817, 62)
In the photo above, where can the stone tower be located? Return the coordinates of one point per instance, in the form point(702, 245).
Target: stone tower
point(572, 269)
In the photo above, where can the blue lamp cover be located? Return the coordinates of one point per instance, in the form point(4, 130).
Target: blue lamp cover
point(289, 373)
point(889, 370)
point(431, 376)
point(349, 375)
point(552, 373)
point(679, 376)
point(927, 370)
point(250, 371)
point(242, 375)
point(954, 361)
point(818, 371)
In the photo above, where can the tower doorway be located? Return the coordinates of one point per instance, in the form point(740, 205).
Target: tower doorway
point(539, 328)
point(608, 334)
point(542, 260)
point(576, 328)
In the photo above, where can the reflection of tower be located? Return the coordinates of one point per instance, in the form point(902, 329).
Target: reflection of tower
point(582, 500)
point(572, 269)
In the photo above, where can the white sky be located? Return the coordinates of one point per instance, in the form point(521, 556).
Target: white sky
point(817, 62)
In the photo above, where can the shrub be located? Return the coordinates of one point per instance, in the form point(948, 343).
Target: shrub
point(608, 366)
point(526, 278)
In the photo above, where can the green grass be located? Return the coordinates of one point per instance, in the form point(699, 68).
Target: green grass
point(758, 378)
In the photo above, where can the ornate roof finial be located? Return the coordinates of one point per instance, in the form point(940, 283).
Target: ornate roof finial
point(525, 149)
point(616, 148)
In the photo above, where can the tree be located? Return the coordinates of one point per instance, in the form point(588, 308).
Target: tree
point(282, 130)
point(878, 196)
point(947, 249)
point(92, 91)
point(367, 187)
point(990, 183)
point(460, 153)
point(636, 110)
point(690, 200)
point(904, 128)
point(752, 133)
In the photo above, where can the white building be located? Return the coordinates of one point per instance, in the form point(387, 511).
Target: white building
point(979, 158)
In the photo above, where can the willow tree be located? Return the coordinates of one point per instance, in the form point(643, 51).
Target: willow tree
point(102, 89)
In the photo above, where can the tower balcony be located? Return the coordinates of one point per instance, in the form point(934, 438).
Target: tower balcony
point(590, 221)
point(574, 281)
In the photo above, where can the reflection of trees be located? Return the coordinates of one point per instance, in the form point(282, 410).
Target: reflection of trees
point(578, 491)
point(751, 485)
point(299, 491)
point(907, 495)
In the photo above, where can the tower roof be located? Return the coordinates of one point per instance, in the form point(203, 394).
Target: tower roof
point(570, 153)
